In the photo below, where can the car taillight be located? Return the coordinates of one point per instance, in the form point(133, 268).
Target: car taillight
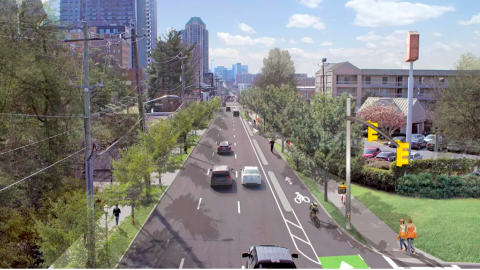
point(229, 147)
point(428, 144)
point(228, 176)
point(218, 147)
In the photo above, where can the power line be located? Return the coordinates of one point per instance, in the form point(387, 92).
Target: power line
point(46, 116)
point(113, 144)
point(48, 167)
point(18, 148)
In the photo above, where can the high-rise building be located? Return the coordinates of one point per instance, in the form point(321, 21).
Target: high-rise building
point(138, 13)
point(245, 78)
point(196, 32)
point(212, 66)
point(244, 69)
point(237, 69)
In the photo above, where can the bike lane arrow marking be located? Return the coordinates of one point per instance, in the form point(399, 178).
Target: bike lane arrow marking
point(289, 180)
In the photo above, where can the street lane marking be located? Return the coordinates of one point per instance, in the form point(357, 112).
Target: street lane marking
point(361, 257)
point(247, 128)
point(181, 263)
point(213, 153)
point(349, 244)
point(234, 144)
point(283, 198)
point(300, 227)
point(243, 267)
point(301, 239)
point(391, 262)
point(199, 202)
point(235, 155)
point(208, 171)
point(317, 260)
point(339, 231)
point(262, 156)
point(239, 207)
point(456, 267)
point(236, 173)
point(233, 136)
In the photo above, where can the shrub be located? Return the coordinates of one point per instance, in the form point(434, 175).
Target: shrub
point(378, 178)
point(427, 185)
point(379, 164)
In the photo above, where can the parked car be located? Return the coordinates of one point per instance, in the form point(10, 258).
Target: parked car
point(415, 156)
point(221, 176)
point(441, 144)
point(455, 146)
point(400, 138)
point(465, 147)
point(251, 176)
point(236, 112)
point(227, 109)
point(371, 152)
point(418, 136)
point(387, 156)
point(224, 148)
point(266, 256)
point(418, 143)
point(429, 138)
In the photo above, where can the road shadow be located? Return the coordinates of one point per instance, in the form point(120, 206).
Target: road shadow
point(260, 187)
point(226, 189)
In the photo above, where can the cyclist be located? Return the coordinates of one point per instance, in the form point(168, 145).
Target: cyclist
point(313, 209)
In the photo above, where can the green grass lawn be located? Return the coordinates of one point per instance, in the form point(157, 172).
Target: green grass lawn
point(336, 214)
point(120, 238)
point(447, 229)
point(247, 117)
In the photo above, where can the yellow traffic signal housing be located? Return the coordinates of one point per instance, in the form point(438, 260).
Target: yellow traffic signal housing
point(402, 153)
point(372, 134)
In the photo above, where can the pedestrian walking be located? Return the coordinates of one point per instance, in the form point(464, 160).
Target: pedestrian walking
point(342, 196)
point(185, 148)
point(254, 122)
point(272, 143)
point(116, 213)
point(401, 235)
point(411, 234)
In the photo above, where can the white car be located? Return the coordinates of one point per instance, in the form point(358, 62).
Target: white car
point(415, 156)
point(251, 176)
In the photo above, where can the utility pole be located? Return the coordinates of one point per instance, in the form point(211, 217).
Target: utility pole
point(347, 171)
point(88, 148)
point(141, 112)
point(183, 74)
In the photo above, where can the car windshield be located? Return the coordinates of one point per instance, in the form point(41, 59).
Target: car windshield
point(368, 151)
point(225, 143)
point(276, 265)
point(220, 174)
point(384, 154)
point(416, 139)
point(251, 171)
point(398, 138)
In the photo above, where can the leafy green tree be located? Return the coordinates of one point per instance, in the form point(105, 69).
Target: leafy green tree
point(133, 172)
point(183, 122)
point(278, 68)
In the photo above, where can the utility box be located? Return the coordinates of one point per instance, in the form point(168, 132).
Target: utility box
point(413, 46)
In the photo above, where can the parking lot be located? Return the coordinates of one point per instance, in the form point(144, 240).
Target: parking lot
point(424, 152)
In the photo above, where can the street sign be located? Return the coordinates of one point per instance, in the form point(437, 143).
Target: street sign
point(343, 262)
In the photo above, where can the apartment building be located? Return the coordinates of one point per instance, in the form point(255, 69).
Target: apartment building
point(304, 80)
point(393, 83)
point(244, 86)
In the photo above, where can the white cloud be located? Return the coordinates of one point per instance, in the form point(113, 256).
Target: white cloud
point(305, 21)
point(223, 53)
point(457, 44)
point(258, 56)
point(311, 3)
point(238, 40)
point(437, 34)
point(477, 33)
point(474, 20)
point(371, 45)
point(292, 41)
point(245, 28)
point(282, 40)
point(396, 39)
point(440, 47)
point(378, 13)
point(326, 43)
point(307, 40)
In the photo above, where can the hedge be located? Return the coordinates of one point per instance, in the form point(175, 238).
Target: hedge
point(427, 185)
point(377, 178)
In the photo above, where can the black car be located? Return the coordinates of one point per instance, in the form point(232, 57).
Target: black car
point(236, 113)
point(221, 176)
point(418, 143)
point(227, 109)
point(387, 156)
point(224, 148)
point(270, 257)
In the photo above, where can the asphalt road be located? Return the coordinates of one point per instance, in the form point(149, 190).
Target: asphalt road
point(196, 226)
point(424, 152)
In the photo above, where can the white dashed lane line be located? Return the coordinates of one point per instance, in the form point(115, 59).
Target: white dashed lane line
point(181, 263)
point(239, 207)
point(235, 156)
point(199, 202)
point(208, 171)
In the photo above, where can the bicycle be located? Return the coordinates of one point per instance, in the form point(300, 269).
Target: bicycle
point(301, 198)
point(315, 220)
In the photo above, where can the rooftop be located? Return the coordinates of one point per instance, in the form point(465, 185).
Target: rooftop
point(196, 20)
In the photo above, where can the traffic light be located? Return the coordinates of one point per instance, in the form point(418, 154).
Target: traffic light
point(372, 134)
point(402, 153)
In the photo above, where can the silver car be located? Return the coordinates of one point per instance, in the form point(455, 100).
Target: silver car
point(415, 156)
point(251, 176)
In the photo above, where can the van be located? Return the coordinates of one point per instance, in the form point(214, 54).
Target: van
point(236, 113)
point(221, 176)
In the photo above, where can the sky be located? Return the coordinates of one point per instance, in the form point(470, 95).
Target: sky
point(366, 33)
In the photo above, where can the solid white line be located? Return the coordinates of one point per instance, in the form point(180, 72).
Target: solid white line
point(235, 155)
point(218, 135)
point(239, 207)
point(301, 239)
point(181, 263)
point(339, 231)
point(199, 202)
point(208, 171)
point(361, 257)
point(293, 223)
point(349, 244)
point(213, 153)
point(243, 267)
point(234, 144)
point(392, 263)
point(236, 173)
point(280, 209)
point(456, 267)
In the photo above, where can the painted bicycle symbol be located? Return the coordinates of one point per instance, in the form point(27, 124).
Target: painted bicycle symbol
point(301, 198)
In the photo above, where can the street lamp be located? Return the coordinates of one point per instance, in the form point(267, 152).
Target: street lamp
point(323, 73)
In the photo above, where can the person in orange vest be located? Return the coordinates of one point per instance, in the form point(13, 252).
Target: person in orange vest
point(401, 235)
point(411, 234)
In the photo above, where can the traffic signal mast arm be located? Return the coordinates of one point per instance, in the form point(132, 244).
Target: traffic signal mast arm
point(355, 119)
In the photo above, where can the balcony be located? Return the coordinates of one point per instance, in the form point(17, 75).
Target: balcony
point(346, 82)
point(430, 85)
point(385, 85)
point(425, 96)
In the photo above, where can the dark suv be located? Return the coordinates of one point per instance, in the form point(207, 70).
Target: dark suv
point(221, 176)
point(236, 113)
point(227, 109)
point(270, 257)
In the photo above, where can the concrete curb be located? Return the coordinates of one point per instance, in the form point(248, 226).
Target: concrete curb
point(161, 197)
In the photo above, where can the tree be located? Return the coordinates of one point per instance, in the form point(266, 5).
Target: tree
point(278, 69)
point(389, 118)
point(468, 61)
point(366, 96)
point(182, 122)
point(133, 172)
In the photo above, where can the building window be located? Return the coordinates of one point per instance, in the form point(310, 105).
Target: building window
point(441, 79)
point(102, 31)
point(384, 80)
point(368, 80)
point(115, 31)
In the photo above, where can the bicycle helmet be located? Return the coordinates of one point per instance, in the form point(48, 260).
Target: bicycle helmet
point(315, 204)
